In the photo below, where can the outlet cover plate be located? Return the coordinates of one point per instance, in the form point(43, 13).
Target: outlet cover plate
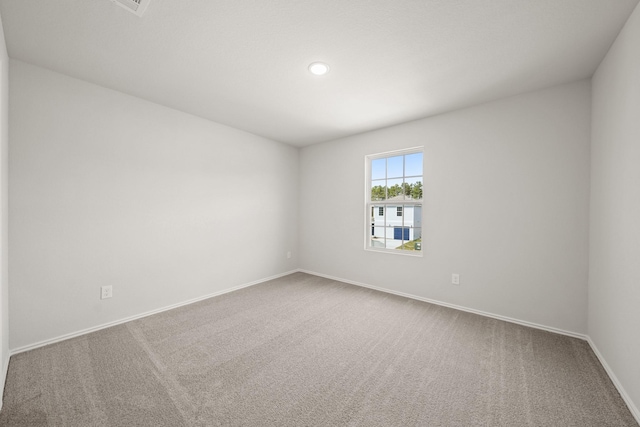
point(106, 292)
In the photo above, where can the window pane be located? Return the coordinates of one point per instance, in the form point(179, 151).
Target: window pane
point(391, 242)
point(413, 164)
point(417, 216)
point(413, 188)
point(377, 218)
point(378, 168)
point(417, 234)
point(392, 219)
point(378, 190)
point(394, 188)
point(377, 238)
point(406, 189)
point(415, 242)
point(395, 167)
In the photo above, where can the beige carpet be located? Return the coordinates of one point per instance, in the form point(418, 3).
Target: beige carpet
point(307, 351)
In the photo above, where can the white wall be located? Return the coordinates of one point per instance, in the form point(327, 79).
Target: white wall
point(108, 189)
point(4, 209)
point(506, 190)
point(614, 273)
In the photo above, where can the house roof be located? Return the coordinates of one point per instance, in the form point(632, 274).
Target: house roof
point(401, 198)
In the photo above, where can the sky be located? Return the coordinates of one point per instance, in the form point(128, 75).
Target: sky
point(392, 167)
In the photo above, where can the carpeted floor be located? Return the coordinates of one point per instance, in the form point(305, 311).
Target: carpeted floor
point(307, 351)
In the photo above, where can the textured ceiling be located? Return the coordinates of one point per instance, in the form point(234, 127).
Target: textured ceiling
point(244, 63)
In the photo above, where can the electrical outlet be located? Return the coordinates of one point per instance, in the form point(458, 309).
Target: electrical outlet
point(106, 292)
point(289, 254)
point(455, 279)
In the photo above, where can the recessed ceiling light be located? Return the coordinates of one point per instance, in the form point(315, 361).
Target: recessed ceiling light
point(318, 68)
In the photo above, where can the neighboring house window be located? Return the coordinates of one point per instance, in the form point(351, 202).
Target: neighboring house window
point(394, 185)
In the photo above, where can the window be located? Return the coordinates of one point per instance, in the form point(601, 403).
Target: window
point(394, 187)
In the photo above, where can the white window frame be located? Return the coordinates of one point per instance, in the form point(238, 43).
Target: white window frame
point(369, 204)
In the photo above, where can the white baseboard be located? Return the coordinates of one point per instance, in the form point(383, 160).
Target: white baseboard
point(457, 307)
point(632, 407)
point(138, 316)
point(630, 404)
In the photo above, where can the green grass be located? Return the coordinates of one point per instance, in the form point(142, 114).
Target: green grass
point(410, 246)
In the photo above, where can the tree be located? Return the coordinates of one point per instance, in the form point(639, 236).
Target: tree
point(378, 192)
point(416, 190)
point(406, 188)
point(395, 191)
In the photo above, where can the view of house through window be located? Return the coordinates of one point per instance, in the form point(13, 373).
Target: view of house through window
point(394, 205)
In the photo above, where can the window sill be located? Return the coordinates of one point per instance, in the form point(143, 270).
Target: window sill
point(415, 254)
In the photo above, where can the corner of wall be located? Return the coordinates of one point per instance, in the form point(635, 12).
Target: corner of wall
point(4, 194)
point(613, 212)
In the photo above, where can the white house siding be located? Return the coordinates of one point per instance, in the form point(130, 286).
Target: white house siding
point(387, 227)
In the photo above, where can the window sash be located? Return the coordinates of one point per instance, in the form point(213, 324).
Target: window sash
point(390, 225)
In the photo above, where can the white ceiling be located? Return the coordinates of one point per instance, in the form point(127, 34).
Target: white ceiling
point(244, 62)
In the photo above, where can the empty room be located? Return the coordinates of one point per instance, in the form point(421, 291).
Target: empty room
point(320, 213)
